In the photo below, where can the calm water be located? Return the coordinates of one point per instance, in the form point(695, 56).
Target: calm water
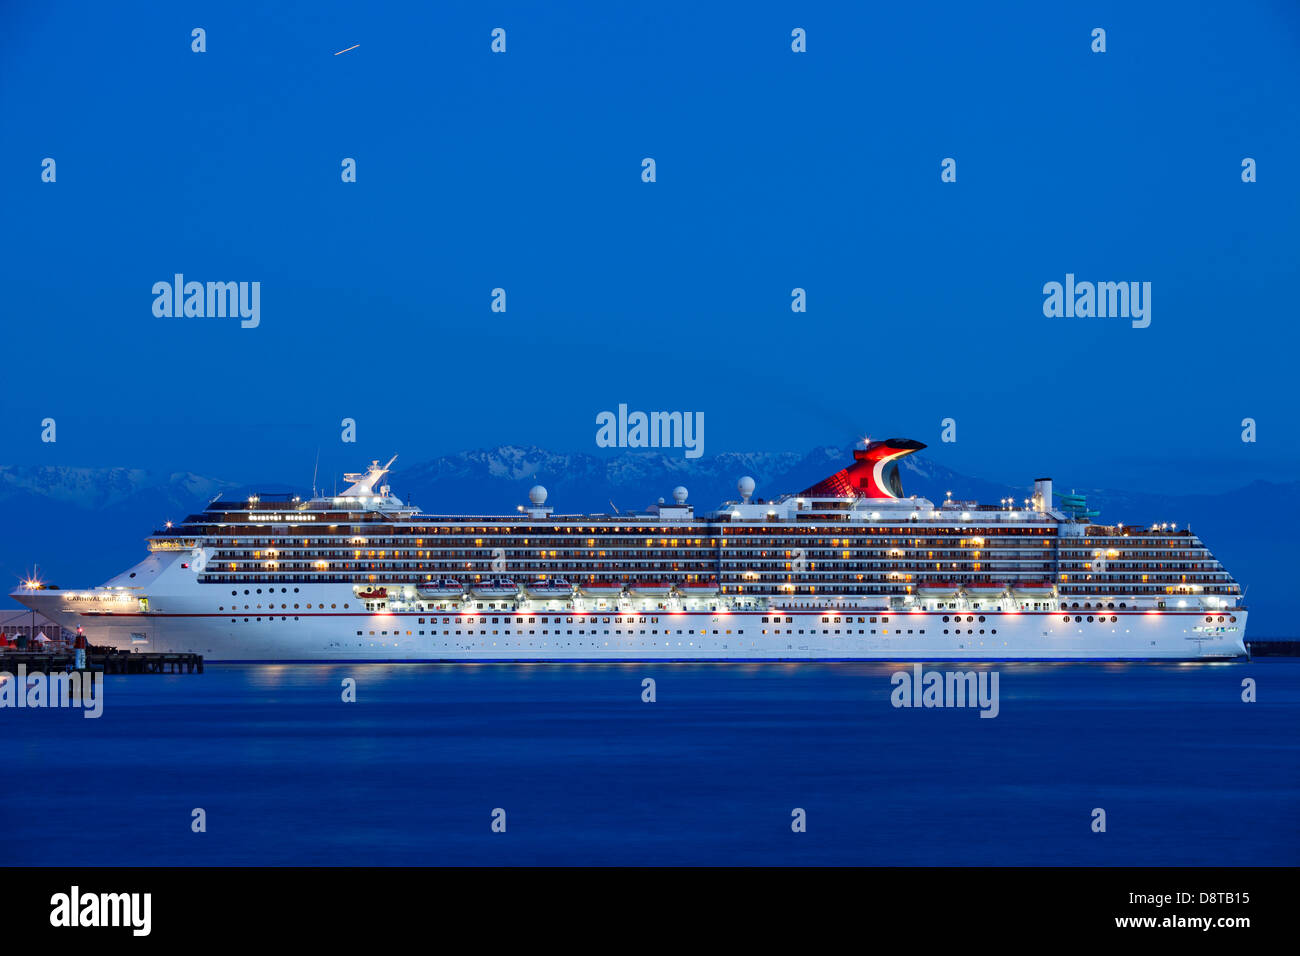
point(708, 774)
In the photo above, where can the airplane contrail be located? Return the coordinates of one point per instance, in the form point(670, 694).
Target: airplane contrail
point(352, 47)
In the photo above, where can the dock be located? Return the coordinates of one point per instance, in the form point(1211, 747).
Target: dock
point(103, 659)
point(1273, 648)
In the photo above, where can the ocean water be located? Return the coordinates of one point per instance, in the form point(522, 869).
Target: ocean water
point(709, 773)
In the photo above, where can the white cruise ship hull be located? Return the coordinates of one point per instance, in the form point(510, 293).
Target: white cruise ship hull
point(756, 581)
point(197, 618)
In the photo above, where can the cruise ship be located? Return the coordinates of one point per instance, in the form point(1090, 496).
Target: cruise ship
point(848, 569)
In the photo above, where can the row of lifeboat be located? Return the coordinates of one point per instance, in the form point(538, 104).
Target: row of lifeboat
point(944, 589)
point(549, 589)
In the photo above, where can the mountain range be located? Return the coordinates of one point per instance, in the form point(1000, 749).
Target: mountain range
point(81, 525)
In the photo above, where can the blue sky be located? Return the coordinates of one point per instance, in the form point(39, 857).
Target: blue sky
point(775, 170)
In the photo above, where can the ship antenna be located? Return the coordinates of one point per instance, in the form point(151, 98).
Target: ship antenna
point(614, 506)
point(314, 472)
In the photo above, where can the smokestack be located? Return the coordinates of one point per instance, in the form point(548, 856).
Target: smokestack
point(1043, 494)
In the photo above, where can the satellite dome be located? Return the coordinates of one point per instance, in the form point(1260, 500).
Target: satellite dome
point(745, 486)
point(679, 495)
point(537, 495)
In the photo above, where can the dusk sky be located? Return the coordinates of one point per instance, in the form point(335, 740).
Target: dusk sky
point(775, 170)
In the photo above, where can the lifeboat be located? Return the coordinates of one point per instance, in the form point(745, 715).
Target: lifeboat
point(373, 594)
point(554, 588)
point(440, 588)
point(601, 588)
point(495, 588)
point(937, 589)
point(1034, 588)
point(985, 590)
point(650, 589)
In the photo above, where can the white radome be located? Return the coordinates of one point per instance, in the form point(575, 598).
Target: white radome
point(745, 486)
point(537, 495)
point(679, 495)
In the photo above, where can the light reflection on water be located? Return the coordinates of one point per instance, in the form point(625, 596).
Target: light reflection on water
point(708, 773)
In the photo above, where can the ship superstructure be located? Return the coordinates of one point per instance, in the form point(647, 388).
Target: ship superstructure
point(848, 569)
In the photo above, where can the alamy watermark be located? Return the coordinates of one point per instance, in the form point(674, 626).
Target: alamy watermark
point(75, 908)
point(37, 690)
point(922, 688)
point(651, 430)
point(211, 300)
point(1102, 300)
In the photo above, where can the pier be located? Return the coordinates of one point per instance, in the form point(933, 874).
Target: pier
point(102, 659)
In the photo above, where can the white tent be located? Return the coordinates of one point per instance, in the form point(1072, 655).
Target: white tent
point(42, 638)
